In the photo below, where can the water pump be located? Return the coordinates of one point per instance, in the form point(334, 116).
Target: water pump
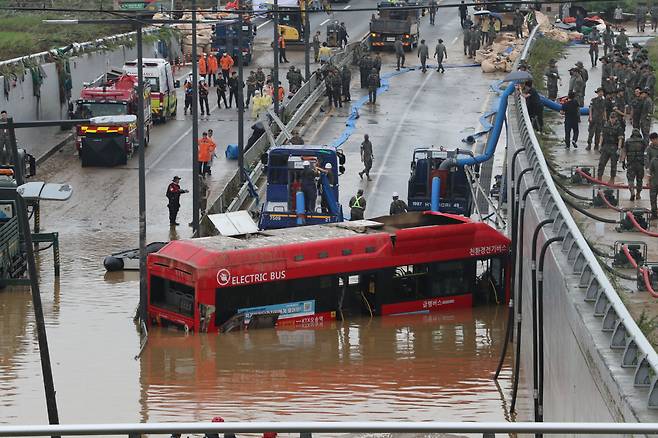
point(577, 178)
point(652, 268)
point(637, 250)
point(611, 195)
point(641, 215)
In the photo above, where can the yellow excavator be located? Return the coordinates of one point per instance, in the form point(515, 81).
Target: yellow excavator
point(292, 19)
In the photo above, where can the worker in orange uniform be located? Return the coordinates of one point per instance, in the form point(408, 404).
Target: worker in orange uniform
point(203, 66)
point(226, 62)
point(213, 67)
point(205, 153)
point(282, 49)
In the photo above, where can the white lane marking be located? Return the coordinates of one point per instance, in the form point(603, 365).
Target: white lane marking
point(325, 22)
point(347, 7)
point(261, 25)
point(401, 124)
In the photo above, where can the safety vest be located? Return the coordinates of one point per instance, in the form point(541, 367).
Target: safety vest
point(357, 202)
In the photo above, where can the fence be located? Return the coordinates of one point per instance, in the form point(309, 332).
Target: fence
point(621, 331)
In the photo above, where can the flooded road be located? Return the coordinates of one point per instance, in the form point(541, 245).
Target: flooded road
point(420, 367)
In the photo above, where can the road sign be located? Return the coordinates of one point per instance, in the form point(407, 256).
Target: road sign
point(137, 5)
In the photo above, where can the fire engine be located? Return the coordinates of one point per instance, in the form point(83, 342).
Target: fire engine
point(113, 101)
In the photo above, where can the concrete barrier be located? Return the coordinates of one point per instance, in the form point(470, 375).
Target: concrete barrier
point(598, 365)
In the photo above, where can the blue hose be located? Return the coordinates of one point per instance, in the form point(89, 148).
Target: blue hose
point(584, 111)
point(495, 133)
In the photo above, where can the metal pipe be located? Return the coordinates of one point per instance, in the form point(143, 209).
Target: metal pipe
point(141, 176)
point(331, 427)
point(195, 125)
point(436, 194)
point(540, 323)
point(240, 103)
point(300, 208)
point(517, 361)
point(275, 71)
point(535, 346)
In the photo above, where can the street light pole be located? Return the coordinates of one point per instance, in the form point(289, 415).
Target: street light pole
point(195, 126)
point(275, 72)
point(240, 101)
point(142, 176)
point(307, 46)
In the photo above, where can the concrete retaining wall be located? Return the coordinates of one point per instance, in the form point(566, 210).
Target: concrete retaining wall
point(23, 105)
point(584, 381)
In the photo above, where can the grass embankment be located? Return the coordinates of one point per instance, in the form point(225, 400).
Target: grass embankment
point(23, 33)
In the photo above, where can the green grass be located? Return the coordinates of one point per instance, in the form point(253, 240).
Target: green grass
point(543, 50)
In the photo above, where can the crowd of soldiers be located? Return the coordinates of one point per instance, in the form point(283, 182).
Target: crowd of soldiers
point(338, 84)
point(625, 95)
point(369, 71)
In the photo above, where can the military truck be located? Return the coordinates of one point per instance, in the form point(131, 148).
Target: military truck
point(400, 19)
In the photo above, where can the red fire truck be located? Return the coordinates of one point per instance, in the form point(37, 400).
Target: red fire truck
point(111, 144)
point(419, 262)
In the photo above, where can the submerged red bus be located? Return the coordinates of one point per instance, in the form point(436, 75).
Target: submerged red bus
point(411, 263)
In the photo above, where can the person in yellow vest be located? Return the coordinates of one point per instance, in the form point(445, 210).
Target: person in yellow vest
point(357, 206)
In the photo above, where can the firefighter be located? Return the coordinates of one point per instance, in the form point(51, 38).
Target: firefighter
point(366, 157)
point(357, 206)
point(611, 141)
point(213, 67)
point(204, 154)
point(226, 62)
point(398, 206)
point(632, 158)
point(202, 65)
point(173, 195)
point(309, 187)
point(282, 50)
point(221, 92)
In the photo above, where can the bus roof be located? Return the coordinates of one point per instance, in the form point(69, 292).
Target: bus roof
point(406, 233)
point(302, 147)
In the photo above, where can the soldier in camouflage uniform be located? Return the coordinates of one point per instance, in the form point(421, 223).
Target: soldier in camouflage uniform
point(467, 40)
point(652, 167)
point(597, 117)
point(474, 45)
point(611, 141)
point(552, 78)
point(633, 155)
point(365, 65)
point(646, 113)
point(636, 108)
point(608, 40)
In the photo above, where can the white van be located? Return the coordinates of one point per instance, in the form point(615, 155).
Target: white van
point(163, 86)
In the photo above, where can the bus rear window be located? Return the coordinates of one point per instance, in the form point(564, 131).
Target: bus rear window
point(172, 296)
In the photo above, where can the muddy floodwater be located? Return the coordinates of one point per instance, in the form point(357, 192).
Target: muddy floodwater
point(420, 367)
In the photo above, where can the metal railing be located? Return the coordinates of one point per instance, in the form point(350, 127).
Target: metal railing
point(235, 192)
point(137, 429)
point(623, 333)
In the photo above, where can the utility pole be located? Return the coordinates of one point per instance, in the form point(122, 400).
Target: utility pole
point(307, 46)
point(195, 126)
point(142, 176)
point(240, 99)
point(275, 72)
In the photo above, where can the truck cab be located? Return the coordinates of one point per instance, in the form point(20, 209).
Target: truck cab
point(455, 196)
point(394, 20)
point(284, 166)
point(160, 77)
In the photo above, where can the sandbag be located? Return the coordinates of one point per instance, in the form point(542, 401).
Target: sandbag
point(488, 66)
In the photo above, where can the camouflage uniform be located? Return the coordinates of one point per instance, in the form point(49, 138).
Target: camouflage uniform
point(552, 76)
point(652, 166)
point(646, 116)
point(610, 139)
point(634, 154)
point(596, 120)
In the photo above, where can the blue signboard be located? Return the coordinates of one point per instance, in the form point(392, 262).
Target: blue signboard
point(285, 310)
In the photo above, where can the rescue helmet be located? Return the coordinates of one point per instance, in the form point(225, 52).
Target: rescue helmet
point(328, 166)
point(395, 195)
point(306, 163)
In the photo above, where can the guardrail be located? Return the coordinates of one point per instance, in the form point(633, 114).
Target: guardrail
point(623, 333)
point(486, 428)
point(235, 192)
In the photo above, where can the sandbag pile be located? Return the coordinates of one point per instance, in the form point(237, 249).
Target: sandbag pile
point(204, 30)
point(500, 55)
